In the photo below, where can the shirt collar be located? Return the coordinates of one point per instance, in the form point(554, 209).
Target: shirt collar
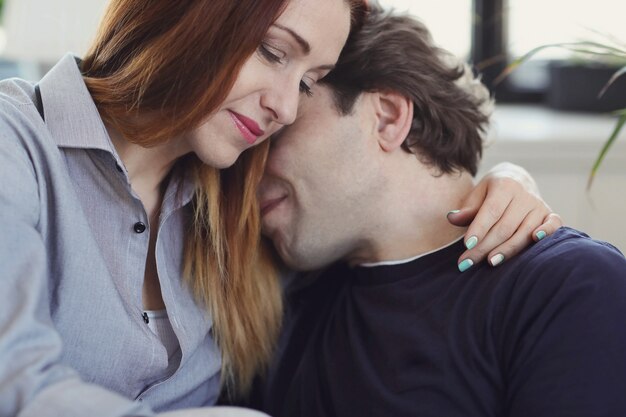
point(74, 121)
point(70, 112)
point(407, 260)
point(181, 187)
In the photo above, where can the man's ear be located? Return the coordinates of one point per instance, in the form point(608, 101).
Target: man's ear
point(395, 117)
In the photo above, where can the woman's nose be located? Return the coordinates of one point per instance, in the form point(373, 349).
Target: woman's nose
point(282, 101)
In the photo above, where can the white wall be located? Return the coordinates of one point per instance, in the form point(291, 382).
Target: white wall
point(44, 30)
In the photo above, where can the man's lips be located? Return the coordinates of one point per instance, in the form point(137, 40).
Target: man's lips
point(271, 204)
point(249, 129)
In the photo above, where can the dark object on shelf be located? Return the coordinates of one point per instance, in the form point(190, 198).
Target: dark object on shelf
point(575, 86)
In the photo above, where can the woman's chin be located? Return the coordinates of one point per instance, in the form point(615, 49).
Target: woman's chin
point(220, 160)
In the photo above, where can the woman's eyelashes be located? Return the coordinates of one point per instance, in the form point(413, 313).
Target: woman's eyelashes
point(271, 54)
point(306, 89)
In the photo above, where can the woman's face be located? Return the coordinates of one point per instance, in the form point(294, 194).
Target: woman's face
point(299, 49)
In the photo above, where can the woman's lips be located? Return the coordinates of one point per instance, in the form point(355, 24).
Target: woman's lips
point(249, 129)
point(271, 204)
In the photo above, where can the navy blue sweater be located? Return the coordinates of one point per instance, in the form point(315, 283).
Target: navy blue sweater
point(544, 334)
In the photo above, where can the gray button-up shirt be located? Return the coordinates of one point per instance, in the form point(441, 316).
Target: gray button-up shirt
point(72, 338)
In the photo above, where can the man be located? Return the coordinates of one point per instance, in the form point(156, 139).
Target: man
point(392, 328)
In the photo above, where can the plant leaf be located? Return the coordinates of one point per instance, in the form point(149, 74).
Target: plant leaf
point(585, 47)
point(595, 52)
point(614, 77)
point(618, 127)
point(609, 48)
point(607, 36)
point(520, 60)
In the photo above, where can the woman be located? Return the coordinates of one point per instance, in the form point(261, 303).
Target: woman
point(130, 257)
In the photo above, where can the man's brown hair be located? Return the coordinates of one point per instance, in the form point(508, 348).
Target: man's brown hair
point(395, 52)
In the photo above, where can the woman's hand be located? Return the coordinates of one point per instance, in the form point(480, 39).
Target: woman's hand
point(506, 214)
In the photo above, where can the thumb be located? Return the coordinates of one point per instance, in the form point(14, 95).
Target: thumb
point(462, 217)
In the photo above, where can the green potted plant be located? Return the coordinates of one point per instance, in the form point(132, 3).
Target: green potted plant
point(594, 71)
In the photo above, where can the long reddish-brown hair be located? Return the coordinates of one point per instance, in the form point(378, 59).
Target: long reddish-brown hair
point(172, 62)
point(156, 70)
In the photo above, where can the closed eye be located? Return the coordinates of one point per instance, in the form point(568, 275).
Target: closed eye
point(304, 88)
point(268, 53)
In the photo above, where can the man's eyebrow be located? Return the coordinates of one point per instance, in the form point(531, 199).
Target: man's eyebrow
point(303, 44)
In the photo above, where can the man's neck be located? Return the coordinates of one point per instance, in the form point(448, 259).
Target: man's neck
point(412, 221)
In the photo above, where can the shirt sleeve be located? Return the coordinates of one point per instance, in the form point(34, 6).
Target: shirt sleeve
point(565, 334)
point(33, 382)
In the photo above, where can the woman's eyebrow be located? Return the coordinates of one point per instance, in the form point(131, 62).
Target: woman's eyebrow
point(306, 47)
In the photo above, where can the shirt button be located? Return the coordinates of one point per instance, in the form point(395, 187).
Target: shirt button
point(139, 227)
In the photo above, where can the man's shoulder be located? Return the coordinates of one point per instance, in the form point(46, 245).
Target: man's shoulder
point(559, 327)
point(569, 271)
point(572, 253)
point(569, 240)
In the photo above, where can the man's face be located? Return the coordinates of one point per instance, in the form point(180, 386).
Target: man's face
point(320, 176)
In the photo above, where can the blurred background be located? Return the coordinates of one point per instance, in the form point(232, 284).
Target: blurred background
point(35, 34)
point(549, 118)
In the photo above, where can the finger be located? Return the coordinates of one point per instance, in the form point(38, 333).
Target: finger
point(518, 241)
point(494, 210)
point(508, 224)
point(514, 220)
point(525, 235)
point(464, 215)
point(551, 223)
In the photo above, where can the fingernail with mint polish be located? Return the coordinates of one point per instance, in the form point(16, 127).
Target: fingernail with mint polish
point(465, 265)
point(497, 259)
point(471, 242)
point(540, 234)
